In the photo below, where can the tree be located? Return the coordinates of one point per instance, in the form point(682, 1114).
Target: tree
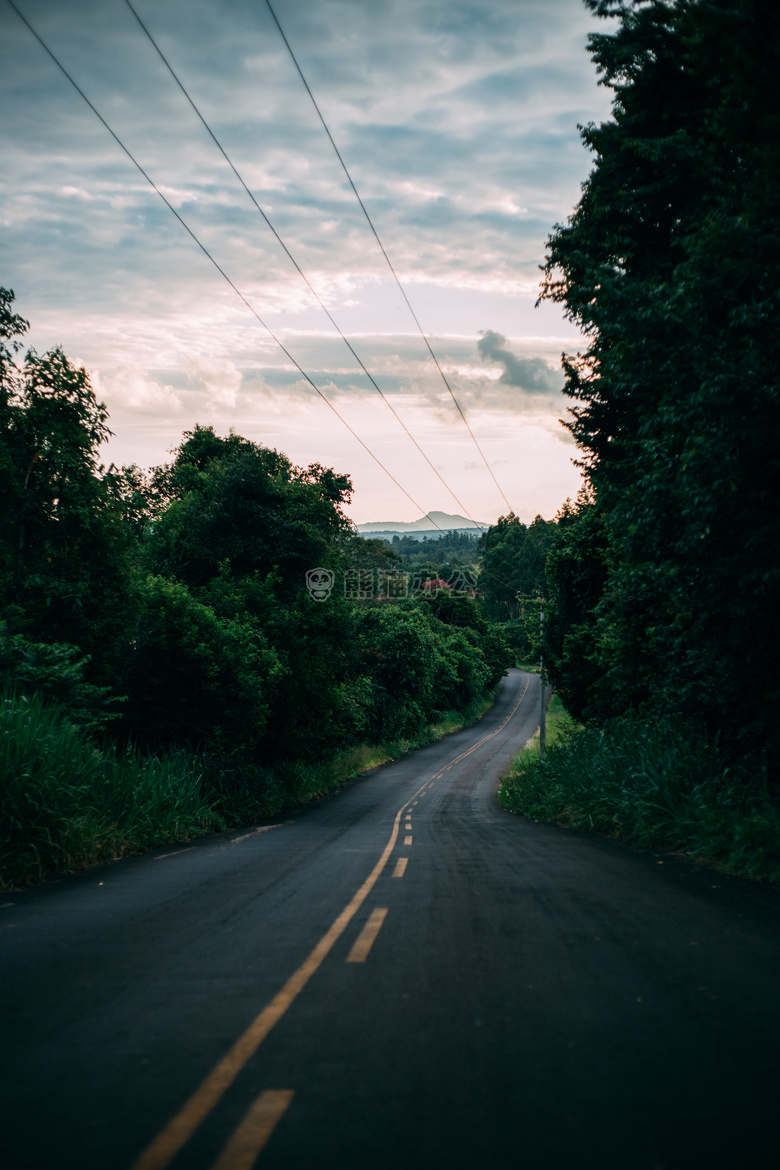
point(577, 568)
point(670, 266)
point(368, 552)
point(64, 575)
point(229, 499)
point(512, 561)
point(195, 678)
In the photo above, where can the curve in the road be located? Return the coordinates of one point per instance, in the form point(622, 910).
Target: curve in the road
point(180, 1129)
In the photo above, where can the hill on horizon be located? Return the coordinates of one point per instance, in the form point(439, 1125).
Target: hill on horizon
point(426, 524)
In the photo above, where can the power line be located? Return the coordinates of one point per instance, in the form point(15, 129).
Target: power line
point(384, 253)
point(225, 276)
point(219, 269)
point(292, 259)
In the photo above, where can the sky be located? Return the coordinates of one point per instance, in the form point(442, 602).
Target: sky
point(458, 124)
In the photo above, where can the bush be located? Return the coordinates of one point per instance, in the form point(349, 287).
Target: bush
point(657, 783)
point(57, 673)
point(194, 678)
point(65, 803)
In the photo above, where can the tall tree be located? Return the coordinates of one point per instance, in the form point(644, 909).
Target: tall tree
point(512, 562)
point(670, 265)
point(64, 553)
point(229, 499)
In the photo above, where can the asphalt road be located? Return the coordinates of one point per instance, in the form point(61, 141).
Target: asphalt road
point(338, 990)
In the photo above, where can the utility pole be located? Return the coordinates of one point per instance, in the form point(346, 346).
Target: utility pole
point(543, 689)
point(542, 707)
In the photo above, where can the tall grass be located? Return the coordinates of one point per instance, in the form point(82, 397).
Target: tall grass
point(249, 793)
point(65, 803)
point(656, 783)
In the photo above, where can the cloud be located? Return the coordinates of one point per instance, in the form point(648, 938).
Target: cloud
point(218, 378)
point(459, 127)
point(458, 122)
point(129, 389)
point(532, 375)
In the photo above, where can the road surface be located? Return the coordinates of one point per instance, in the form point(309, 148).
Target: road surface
point(402, 975)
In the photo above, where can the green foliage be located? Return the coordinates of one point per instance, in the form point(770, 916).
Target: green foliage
point(453, 609)
point(63, 551)
point(464, 612)
point(577, 568)
point(56, 672)
point(367, 552)
point(230, 500)
point(400, 654)
point(240, 529)
point(659, 784)
point(450, 550)
point(194, 678)
point(513, 555)
point(65, 804)
point(670, 265)
point(424, 657)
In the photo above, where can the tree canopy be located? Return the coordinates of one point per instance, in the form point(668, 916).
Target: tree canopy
point(513, 558)
point(174, 602)
point(669, 265)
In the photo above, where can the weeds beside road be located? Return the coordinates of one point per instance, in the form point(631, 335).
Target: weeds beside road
point(67, 803)
point(658, 784)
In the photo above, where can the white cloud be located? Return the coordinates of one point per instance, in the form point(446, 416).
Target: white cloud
point(130, 390)
point(458, 122)
point(218, 378)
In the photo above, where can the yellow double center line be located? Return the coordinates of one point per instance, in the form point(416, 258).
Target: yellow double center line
point(180, 1129)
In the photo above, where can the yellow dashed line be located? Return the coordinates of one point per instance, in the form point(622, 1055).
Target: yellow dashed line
point(241, 1151)
point(365, 940)
point(164, 1148)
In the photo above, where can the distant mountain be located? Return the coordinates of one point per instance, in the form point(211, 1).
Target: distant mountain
point(431, 525)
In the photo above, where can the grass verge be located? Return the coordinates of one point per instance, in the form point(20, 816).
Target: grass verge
point(248, 794)
point(66, 804)
point(558, 724)
point(655, 783)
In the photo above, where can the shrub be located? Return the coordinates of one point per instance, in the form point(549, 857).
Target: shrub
point(195, 678)
point(65, 803)
point(658, 783)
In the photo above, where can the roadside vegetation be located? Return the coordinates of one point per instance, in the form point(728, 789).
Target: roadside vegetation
point(558, 724)
point(657, 784)
point(167, 667)
point(69, 802)
point(661, 625)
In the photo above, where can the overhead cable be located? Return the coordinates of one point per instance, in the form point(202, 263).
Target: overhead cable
point(219, 269)
point(290, 256)
point(384, 253)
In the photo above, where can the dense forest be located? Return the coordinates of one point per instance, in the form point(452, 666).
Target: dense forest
point(174, 609)
point(663, 576)
point(664, 581)
point(443, 553)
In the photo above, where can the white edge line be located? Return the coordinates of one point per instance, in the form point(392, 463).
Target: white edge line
point(262, 829)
